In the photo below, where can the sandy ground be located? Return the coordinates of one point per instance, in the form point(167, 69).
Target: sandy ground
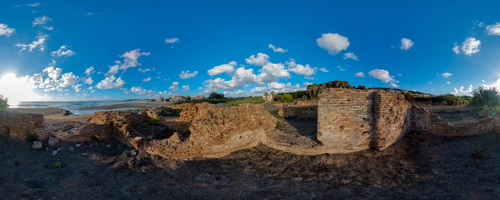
point(129, 105)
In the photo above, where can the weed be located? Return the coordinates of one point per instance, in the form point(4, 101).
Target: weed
point(57, 164)
point(251, 152)
point(278, 126)
point(31, 138)
point(261, 153)
point(478, 153)
point(153, 120)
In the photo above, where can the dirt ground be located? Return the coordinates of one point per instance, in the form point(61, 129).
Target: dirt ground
point(417, 167)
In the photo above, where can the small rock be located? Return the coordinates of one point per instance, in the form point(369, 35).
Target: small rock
point(59, 149)
point(85, 154)
point(77, 145)
point(137, 138)
point(71, 149)
point(37, 145)
point(91, 145)
point(53, 141)
point(108, 146)
point(54, 153)
point(133, 153)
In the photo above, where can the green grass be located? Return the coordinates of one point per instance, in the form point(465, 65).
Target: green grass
point(153, 120)
point(57, 164)
point(275, 114)
point(31, 138)
point(254, 100)
point(212, 101)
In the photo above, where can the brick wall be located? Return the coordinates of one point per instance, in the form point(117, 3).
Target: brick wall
point(19, 125)
point(308, 112)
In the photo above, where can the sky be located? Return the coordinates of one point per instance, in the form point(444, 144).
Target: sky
point(96, 50)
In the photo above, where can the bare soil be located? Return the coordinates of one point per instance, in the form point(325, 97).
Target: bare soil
point(417, 167)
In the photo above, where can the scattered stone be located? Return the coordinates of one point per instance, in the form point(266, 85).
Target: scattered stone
point(53, 141)
point(37, 145)
point(137, 138)
point(85, 154)
point(133, 153)
point(108, 146)
point(77, 145)
point(54, 153)
point(91, 145)
point(71, 149)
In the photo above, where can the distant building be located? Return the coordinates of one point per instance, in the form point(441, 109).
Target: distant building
point(268, 98)
point(391, 91)
point(197, 97)
point(177, 98)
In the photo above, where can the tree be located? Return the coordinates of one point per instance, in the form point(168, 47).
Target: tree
point(362, 87)
point(287, 97)
point(3, 102)
point(272, 93)
point(265, 94)
point(483, 96)
point(215, 95)
point(161, 98)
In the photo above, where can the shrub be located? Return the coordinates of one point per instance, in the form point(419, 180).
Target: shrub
point(3, 102)
point(279, 98)
point(361, 87)
point(31, 138)
point(215, 95)
point(287, 97)
point(176, 113)
point(484, 96)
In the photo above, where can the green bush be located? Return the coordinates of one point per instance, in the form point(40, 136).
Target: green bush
point(57, 164)
point(254, 100)
point(3, 102)
point(176, 113)
point(485, 97)
point(31, 138)
point(287, 98)
point(279, 98)
point(153, 120)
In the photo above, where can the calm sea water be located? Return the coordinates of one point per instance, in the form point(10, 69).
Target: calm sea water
point(73, 105)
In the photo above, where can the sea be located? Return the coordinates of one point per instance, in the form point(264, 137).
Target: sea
point(73, 106)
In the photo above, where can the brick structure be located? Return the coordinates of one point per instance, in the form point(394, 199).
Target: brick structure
point(268, 98)
point(307, 112)
point(19, 125)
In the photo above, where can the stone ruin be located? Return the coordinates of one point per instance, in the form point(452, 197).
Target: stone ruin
point(347, 121)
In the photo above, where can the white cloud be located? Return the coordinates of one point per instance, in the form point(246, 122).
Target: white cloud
point(37, 43)
point(68, 79)
point(53, 73)
point(462, 91)
point(171, 40)
point(341, 69)
point(144, 70)
point(384, 76)
point(277, 50)
point(277, 71)
point(6, 31)
point(351, 56)
point(146, 79)
point(323, 70)
point(129, 61)
point(480, 25)
point(200, 88)
point(187, 75)
point(77, 87)
point(359, 74)
point(471, 46)
point(89, 71)
point(225, 68)
point(33, 4)
point(63, 51)
point(260, 60)
point(446, 74)
point(493, 29)
point(139, 90)
point(300, 69)
point(333, 42)
point(111, 82)
point(174, 87)
point(89, 81)
point(448, 82)
point(41, 20)
point(185, 88)
point(406, 44)
point(307, 83)
point(400, 74)
point(456, 48)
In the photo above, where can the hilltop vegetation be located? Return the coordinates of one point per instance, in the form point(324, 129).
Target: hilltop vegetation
point(3, 102)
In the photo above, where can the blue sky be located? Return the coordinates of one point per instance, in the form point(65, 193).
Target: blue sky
point(162, 48)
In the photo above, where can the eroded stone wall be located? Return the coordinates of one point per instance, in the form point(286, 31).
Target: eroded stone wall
point(344, 119)
point(19, 125)
point(307, 112)
point(430, 123)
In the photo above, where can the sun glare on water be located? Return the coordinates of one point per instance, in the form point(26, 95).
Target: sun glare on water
point(17, 89)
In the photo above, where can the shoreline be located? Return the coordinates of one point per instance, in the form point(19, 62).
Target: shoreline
point(135, 105)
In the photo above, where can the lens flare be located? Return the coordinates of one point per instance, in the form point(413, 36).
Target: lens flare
point(17, 89)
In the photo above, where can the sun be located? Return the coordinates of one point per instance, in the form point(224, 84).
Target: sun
point(17, 89)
